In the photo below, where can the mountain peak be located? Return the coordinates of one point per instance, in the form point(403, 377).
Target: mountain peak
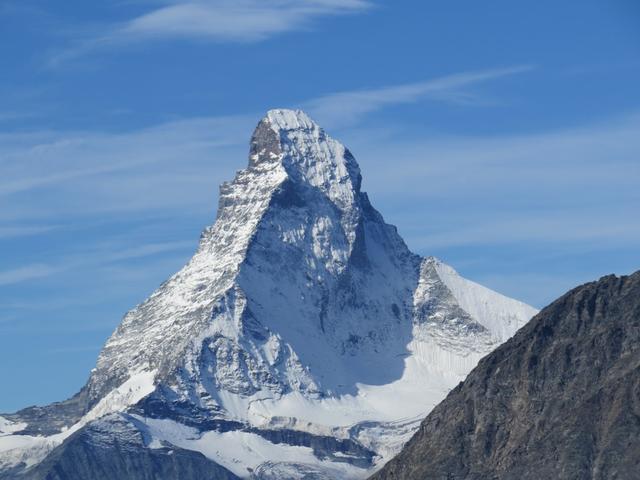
point(302, 319)
point(287, 119)
point(292, 140)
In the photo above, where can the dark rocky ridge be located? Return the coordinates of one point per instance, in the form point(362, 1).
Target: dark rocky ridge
point(560, 400)
point(49, 419)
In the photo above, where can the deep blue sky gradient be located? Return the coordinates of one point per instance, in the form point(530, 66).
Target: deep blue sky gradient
point(112, 147)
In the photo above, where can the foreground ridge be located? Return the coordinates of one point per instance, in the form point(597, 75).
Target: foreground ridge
point(302, 340)
point(561, 399)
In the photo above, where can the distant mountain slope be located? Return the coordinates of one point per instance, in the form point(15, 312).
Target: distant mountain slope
point(303, 338)
point(114, 448)
point(561, 399)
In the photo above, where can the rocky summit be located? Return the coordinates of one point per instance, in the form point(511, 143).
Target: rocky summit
point(561, 399)
point(302, 340)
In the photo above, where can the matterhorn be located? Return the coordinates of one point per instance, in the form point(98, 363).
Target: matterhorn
point(302, 340)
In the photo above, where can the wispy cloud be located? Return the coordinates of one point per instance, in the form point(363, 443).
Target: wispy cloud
point(574, 227)
point(569, 186)
point(236, 21)
point(25, 273)
point(13, 116)
point(74, 349)
point(24, 231)
point(174, 164)
point(146, 250)
point(563, 180)
point(344, 108)
point(171, 165)
point(99, 256)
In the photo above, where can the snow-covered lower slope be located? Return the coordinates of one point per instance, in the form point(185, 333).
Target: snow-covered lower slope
point(302, 338)
point(16, 449)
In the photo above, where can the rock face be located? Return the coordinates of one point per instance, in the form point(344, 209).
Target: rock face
point(114, 447)
point(561, 399)
point(303, 339)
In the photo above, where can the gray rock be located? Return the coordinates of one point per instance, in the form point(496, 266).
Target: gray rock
point(113, 448)
point(50, 419)
point(560, 400)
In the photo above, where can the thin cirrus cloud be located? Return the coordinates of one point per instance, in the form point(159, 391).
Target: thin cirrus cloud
point(568, 226)
point(25, 273)
point(172, 165)
point(235, 20)
point(121, 171)
point(94, 258)
point(569, 186)
point(24, 230)
point(345, 108)
point(558, 171)
point(176, 167)
point(224, 21)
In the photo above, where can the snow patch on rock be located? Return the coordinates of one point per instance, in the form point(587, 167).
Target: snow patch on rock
point(7, 427)
point(244, 453)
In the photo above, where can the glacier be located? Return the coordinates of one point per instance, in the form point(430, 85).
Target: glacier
point(302, 340)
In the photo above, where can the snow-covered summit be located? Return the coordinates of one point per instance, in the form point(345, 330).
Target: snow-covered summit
point(307, 155)
point(303, 332)
point(287, 119)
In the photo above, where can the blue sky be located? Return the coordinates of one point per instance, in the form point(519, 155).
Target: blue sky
point(502, 138)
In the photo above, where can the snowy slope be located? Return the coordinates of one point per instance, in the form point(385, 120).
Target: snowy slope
point(302, 337)
point(499, 314)
point(31, 449)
